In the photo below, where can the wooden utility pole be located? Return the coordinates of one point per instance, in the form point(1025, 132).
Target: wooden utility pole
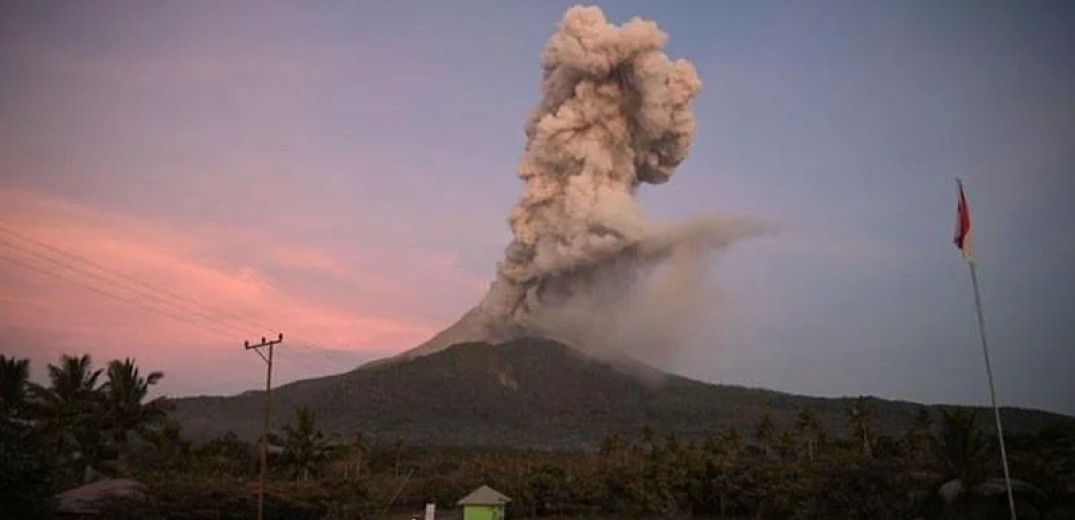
point(268, 401)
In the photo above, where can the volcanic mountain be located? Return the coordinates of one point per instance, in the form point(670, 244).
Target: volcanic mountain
point(532, 392)
point(615, 114)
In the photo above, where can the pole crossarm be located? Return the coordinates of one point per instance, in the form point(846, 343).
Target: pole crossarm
point(264, 342)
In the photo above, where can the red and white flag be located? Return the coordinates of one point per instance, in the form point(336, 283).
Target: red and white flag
point(963, 239)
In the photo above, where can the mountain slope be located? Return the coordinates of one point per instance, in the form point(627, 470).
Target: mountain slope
point(528, 392)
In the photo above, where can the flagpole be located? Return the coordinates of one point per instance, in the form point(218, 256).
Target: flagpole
point(992, 390)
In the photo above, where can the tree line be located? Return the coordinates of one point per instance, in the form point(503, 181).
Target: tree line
point(88, 423)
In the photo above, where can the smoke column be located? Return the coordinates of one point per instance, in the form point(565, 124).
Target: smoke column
point(585, 265)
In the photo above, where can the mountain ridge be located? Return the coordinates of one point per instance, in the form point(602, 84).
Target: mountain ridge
point(535, 392)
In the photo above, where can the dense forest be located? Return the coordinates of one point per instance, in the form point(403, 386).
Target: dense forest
point(87, 424)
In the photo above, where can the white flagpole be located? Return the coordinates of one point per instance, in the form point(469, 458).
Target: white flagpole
point(989, 375)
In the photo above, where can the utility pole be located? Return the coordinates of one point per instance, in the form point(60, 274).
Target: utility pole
point(268, 401)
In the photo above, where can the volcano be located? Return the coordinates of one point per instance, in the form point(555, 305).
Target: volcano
point(585, 268)
point(531, 392)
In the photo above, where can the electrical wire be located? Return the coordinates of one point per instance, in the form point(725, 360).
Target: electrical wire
point(111, 283)
point(134, 280)
point(52, 274)
point(191, 311)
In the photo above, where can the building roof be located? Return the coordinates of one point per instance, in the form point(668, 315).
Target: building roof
point(81, 500)
point(484, 496)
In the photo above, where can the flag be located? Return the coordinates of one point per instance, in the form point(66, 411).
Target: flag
point(963, 238)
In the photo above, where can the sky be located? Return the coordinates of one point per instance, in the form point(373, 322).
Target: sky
point(178, 177)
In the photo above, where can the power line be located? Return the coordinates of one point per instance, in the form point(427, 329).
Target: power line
point(51, 274)
point(190, 301)
point(129, 288)
point(125, 281)
point(147, 292)
point(112, 283)
point(310, 358)
point(144, 289)
point(132, 278)
point(139, 292)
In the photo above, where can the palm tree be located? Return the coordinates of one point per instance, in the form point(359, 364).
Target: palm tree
point(616, 450)
point(860, 415)
point(357, 450)
point(125, 392)
point(786, 446)
point(305, 447)
point(168, 445)
point(72, 386)
point(764, 432)
point(810, 428)
point(611, 445)
point(14, 379)
point(69, 410)
point(646, 438)
point(961, 449)
point(729, 448)
point(731, 442)
point(918, 437)
point(966, 463)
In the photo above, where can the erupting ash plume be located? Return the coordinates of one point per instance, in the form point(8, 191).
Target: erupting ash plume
point(586, 266)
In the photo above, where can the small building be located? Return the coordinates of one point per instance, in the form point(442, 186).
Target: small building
point(484, 503)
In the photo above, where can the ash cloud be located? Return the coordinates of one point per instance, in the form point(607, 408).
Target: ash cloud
point(585, 265)
point(645, 301)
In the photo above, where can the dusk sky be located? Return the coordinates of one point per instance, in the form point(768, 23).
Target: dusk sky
point(342, 172)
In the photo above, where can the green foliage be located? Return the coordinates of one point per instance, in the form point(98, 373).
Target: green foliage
point(226, 456)
point(25, 477)
point(860, 415)
point(80, 423)
point(788, 469)
point(305, 448)
point(961, 449)
point(918, 438)
point(868, 490)
point(186, 497)
point(125, 393)
point(69, 416)
point(164, 449)
point(810, 430)
point(764, 432)
point(14, 384)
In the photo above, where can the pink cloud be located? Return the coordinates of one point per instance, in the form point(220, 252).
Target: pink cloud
point(183, 266)
point(307, 258)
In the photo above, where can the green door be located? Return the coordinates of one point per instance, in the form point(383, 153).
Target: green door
point(481, 513)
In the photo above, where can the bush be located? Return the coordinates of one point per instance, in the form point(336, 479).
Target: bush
point(25, 479)
point(184, 497)
point(867, 490)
